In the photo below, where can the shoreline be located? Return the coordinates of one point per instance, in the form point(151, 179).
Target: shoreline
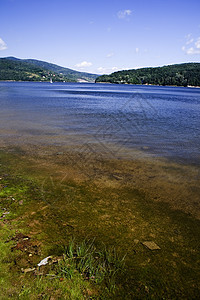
point(82, 81)
point(148, 84)
point(120, 203)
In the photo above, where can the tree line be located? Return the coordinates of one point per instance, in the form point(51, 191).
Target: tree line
point(187, 74)
point(18, 70)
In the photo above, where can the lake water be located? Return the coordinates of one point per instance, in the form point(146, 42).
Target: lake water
point(161, 121)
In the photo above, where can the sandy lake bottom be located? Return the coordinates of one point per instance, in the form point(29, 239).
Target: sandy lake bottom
point(123, 203)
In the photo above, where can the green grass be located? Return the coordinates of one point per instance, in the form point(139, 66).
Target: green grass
point(82, 272)
point(100, 266)
point(66, 216)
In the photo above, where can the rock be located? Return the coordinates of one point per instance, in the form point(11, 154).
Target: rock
point(56, 260)
point(44, 261)
point(28, 270)
point(117, 177)
point(38, 273)
point(44, 207)
point(20, 236)
point(152, 235)
point(4, 214)
point(146, 288)
point(151, 245)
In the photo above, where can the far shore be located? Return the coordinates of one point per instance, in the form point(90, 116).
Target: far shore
point(84, 81)
point(149, 84)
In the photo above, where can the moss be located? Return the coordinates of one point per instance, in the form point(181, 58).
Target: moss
point(19, 218)
point(120, 216)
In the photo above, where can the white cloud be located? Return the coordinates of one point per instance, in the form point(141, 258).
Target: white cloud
point(136, 50)
point(123, 14)
point(190, 41)
point(110, 54)
point(190, 50)
point(83, 64)
point(102, 70)
point(194, 45)
point(188, 36)
point(3, 45)
point(197, 44)
point(193, 50)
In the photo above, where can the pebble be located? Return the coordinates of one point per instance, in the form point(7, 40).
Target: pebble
point(27, 270)
point(4, 214)
point(151, 245)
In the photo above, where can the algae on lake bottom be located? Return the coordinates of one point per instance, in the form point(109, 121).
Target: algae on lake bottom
point(120, 203)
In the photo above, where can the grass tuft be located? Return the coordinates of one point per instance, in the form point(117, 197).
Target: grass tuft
point(98, 266)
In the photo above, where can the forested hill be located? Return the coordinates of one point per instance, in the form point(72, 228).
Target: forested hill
point(12, 68)
point(187, 74)
point(72, 74)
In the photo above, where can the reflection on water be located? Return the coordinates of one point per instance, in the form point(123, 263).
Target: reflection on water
point(163, 121)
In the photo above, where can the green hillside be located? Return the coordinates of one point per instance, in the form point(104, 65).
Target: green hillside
point(12, 68)
point(178, 75)
point(18, 70)
point(71, 74)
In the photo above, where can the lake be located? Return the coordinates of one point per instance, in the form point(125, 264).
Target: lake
point(159, 121)
point(114, 164)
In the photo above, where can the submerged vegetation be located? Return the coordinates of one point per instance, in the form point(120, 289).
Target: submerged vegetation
point(99, 240)
point(178, 75)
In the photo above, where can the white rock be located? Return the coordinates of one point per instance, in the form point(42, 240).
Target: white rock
point(44, 261)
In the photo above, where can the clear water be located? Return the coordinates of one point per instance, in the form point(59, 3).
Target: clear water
point(163, 121)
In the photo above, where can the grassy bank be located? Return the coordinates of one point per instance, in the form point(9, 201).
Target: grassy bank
point(75, 270)
point(50, 209)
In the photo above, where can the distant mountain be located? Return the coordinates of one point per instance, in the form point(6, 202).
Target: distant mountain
point(187, 74)
point(12, 68)
point(71, 74)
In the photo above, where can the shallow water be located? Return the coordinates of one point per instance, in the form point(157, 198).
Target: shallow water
point(119, 202)
point(162, 121)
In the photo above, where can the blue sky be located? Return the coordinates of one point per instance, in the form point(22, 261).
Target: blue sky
point(101, 36)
